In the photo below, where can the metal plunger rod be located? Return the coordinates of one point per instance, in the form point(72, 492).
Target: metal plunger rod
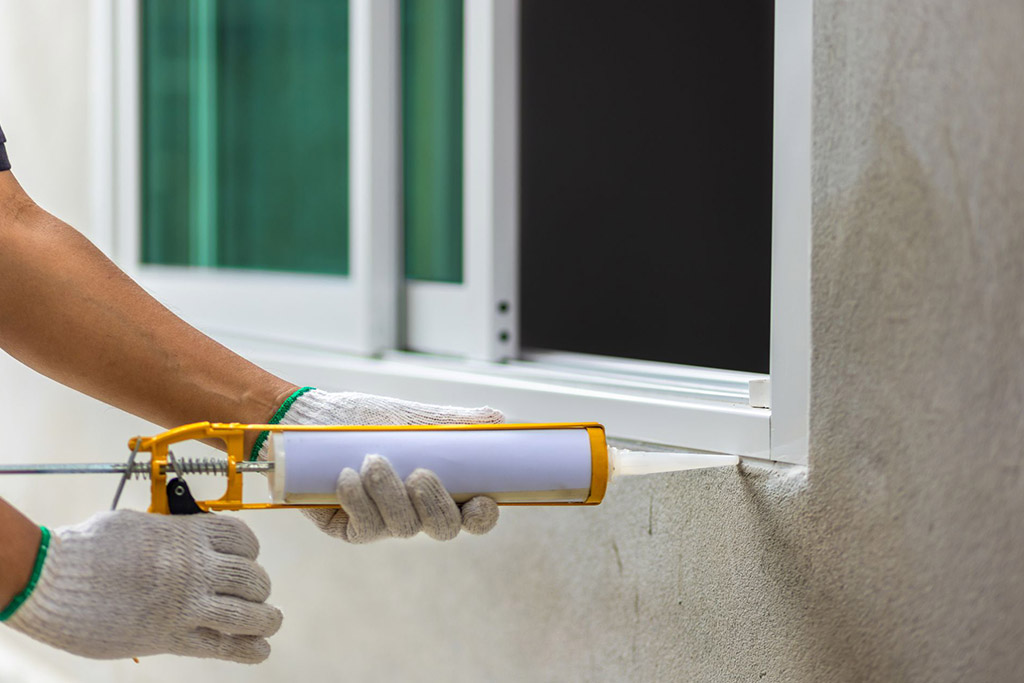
point(120, 467)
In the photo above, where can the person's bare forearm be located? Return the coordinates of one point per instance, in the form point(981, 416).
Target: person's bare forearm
point(68, 312)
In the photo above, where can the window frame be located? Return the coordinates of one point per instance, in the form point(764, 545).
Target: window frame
point(681, 406)
point(790, 351)
point(357, 313)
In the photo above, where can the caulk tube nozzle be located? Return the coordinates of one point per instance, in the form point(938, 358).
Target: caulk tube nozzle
point(626, 462)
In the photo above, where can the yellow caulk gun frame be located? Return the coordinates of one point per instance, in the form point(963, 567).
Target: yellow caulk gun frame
point(233, 435)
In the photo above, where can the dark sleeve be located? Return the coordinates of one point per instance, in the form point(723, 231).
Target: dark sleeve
point(5, 164)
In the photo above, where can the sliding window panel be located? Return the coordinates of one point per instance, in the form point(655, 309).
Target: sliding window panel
point(461, 175)
point(258, 165)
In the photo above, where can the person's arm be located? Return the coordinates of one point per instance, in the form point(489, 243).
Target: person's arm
point(69, 313)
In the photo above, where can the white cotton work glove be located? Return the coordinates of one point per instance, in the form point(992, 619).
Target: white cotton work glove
point(375, 503)
point(130, 584)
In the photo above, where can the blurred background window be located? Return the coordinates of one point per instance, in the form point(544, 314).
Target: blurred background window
point(645, 160)
point(245, 134)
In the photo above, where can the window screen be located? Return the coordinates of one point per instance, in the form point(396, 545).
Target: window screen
point(646, 163)
point(245, 134)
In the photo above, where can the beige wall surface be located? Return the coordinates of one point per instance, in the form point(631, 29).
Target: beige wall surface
point(896, 557)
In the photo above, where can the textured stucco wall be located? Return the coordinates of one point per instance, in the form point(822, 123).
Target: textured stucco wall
point(918, 391)
point(899, 557)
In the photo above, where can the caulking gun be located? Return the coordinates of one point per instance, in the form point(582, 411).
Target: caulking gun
point(515, 464)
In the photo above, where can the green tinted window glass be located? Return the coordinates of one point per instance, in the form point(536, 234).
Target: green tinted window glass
point(245, 134)
point(165, 125)
point(432, 138)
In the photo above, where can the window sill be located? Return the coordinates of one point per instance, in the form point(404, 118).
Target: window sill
point(693, 408)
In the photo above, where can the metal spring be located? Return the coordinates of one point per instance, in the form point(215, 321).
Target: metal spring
point(142, 470)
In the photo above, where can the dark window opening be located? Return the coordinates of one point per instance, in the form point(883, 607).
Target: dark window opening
point(646, 160)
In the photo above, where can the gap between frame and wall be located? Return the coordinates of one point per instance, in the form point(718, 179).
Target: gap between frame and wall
point(536, 390)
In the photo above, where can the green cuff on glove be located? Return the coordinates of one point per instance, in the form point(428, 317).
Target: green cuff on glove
point(37, 569)
point(278, 416)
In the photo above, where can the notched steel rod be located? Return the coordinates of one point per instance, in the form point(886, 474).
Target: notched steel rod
point(139, 468)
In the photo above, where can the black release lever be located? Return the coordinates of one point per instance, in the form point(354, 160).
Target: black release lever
point(179, 498)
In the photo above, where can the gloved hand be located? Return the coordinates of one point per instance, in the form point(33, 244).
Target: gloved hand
point(128, 584)
point(376, 504)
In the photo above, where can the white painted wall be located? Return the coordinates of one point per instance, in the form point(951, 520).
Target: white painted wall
point(43, 101)
point(44, 66)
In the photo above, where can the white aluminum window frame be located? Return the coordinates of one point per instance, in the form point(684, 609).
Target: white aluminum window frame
point(790, 365)
point(357, 313)
point(478, 318)
point(678, 406)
